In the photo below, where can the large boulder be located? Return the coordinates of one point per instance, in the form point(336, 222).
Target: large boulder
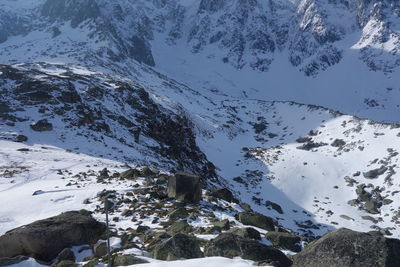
point(180, 246)
point(45, 239)
point(257, 220)
point(347, 248)
point(284, 240)
point(230, 245)
point(184, 187)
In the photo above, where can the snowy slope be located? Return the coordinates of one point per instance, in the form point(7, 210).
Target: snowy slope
point(251, 143)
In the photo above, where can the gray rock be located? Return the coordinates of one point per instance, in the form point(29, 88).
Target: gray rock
point(347, 248)
point(247, 232)
point(257, 220)
point(179, 213)
point(284, 240)
point(21, 138)
point(372, 174)
point(184, 187)
point(45, 239)
point(66, 255)
point(179, 246)
point(100, 249)
point(224, 224)
point(338, 143)
point(127, 260)
point(230, 246)
point(274, 206)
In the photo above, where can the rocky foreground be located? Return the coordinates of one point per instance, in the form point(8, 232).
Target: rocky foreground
point(172, 218)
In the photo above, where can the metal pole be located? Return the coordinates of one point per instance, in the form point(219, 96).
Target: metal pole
point(108, 232)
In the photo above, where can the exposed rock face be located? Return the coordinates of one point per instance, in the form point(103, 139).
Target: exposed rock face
point(284, 240)
point(45, 239)
point(347, 248)
point(185, 187)
point(257, 220)
point(180, 246)
point(230, 245)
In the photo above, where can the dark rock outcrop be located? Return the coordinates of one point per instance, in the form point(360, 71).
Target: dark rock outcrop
point(42, 126)
point(224, 194)
point(284, 240)
point(230, 245)
point(185, 187)
point(45, 239)
point(180, 246)
point(247, 232)
point(347, 248)
point(257, 220)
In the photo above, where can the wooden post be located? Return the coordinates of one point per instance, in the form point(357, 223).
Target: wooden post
point(106, 203)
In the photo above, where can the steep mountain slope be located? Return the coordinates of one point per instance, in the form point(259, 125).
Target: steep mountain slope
point(340, 54)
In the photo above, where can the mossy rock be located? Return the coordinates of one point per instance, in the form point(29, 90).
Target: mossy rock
point(179, 213)
point(180, 227)
point(126, 260)
point(257, 220)
point(180, 246)
point(130, 174)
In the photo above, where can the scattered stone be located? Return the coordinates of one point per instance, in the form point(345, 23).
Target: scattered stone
point(369, 218)
point(230, 246)
point(338, 143)
point(179, 213)
point(246, 207)
point(224, 194)
point(184, 187)
point(42, 126)
point(303, 139)
point(274, 206)
point(21, 138)
point(100, 249)
point(37, 239)
point(257, 220)
point(180, 227)
point(372, 174)
point(347, 248)
point(130, 174)
point(224, 224)
point(284, 240)
point(179, 246)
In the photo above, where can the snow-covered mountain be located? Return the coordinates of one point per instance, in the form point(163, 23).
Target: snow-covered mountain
point(292, 104)
point(340, 54)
